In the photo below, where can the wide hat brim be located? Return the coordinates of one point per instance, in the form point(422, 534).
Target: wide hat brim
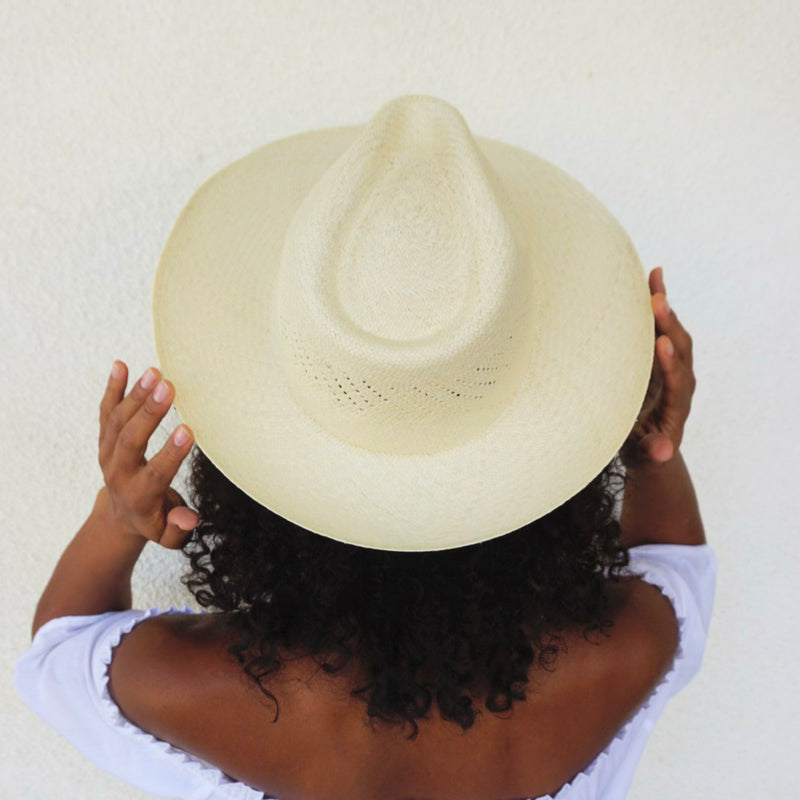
point(590, 364)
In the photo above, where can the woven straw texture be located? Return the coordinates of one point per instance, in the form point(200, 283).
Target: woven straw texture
point(402, 335)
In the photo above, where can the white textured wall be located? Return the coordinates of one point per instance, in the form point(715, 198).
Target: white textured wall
point(683, 117)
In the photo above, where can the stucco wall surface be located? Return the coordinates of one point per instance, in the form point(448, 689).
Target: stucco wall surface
point(682, 117)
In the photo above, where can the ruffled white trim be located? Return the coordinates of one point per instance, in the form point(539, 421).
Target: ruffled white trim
point(201, 773)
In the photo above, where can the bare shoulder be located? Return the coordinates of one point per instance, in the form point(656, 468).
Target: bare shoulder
point(171, 676)
point(130, 673)
point(156, 664)
point(620, 666)
point(644, 637)
point(648, 612)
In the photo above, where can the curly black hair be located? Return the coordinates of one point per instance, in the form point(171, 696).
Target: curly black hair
point(428, 627)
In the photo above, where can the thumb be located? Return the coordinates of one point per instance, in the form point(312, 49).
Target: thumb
point(179, 512)
point(180, 522)
point(658, 447)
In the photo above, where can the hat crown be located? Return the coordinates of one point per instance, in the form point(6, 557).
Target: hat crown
point(402, 306)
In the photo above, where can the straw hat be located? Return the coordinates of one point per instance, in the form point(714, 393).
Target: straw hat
point(402, 335)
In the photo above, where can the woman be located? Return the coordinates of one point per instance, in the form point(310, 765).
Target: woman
point(528, 663)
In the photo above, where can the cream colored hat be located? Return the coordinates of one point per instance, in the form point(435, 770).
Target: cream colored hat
point(402, 335)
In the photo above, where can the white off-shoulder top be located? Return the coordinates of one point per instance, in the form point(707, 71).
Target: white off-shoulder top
point(63, 677)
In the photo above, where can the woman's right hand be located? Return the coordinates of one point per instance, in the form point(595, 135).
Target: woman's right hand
point(658, 430)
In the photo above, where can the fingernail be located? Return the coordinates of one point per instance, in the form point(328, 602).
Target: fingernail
point(181, 436)
point(670, 347)
point(667, 307)
point(148, 378)
point(116, 369)
point(161, 391)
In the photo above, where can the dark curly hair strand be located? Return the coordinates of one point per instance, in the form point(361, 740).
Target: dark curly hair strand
point(439, 627)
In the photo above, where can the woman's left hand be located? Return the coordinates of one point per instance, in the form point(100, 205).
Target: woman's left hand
point(139, 493)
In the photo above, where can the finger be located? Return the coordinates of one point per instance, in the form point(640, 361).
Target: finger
point(665, 317)
point(161, 469)
point(667, 322)
point(132, 440)
point(115, 391)
point(658, 447)
point(677, 391)
point(656, 280)
point(180, 522)
point(123, 411)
